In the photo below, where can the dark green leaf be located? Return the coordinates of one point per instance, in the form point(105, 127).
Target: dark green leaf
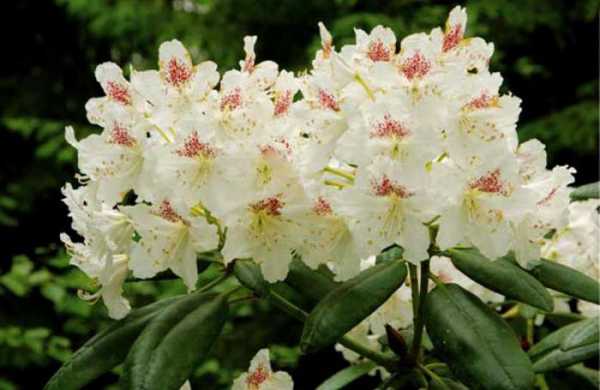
point(346, 306)
point(105, 350)
point(346, 376)
point(175, 342)
point(393, 253)
point(567, 280)
point(589, 375)
point(551, 341)
point(587, 191)
point(502, 276)
point(479, 347)
point(314, 284)
point(559, 358)
point(587, 332)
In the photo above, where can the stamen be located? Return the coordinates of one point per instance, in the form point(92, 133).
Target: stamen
point(378, 52)
point(118, 93)
point(177, 72)
point(389, 128)
point(270, 206)
point(416, 66)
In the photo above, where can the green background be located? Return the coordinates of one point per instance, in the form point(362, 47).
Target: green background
point(546, 50)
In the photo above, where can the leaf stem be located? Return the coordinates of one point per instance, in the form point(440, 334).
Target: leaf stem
point(414, 287)
point(433, 376)
point(214, 282)
point(419, 323)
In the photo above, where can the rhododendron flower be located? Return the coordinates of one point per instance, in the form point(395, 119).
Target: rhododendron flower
point(260, 376)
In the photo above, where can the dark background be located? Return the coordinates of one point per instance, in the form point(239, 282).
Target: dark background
point(547, 51)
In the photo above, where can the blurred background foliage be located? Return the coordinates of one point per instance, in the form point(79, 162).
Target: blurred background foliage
point(546, 50)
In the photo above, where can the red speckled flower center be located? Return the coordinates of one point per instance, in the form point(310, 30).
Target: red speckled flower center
point(322, 206)
point(118, 93)
point(166, 211)
point(483, 101)
point(120, 136)
point(452, 38)
point(386, 187)
point(231, 100)
point(416, 66)
point(193, 148)
point(379, 52)
point(389, 128)
point(490, 183)
point(270, 206)
point(328, 101)
point(256, 378)
point(283, 101)
point(177, 72)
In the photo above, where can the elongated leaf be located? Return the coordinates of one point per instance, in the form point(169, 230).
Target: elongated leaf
point(588, 332)
point(314, 284)
point(393, 253)
point(560, 359)
point(347, 376)
point(503, 277)
point(174, 343)
point(567, 280)
point(105, 350)
point(587, 191)
point(249, 275)
point(479, 347)
point(343, 308)
point(588, 374)
point(552, 341)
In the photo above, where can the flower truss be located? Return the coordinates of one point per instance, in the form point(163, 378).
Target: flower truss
point(372, 147)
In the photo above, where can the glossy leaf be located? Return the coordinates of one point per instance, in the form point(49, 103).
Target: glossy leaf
point(588, 332)
point(588, 374)
point(560, 359)
point(587, 191)
point(346, 306)
point(502, 276)
point(567, 280)
point(479, 347)
point(314, 284)
point(551, 341)
point(347, 376)
point(174, 343)
point(105, 350)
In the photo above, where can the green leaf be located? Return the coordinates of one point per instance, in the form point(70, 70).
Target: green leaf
point(588, 374)
point(314, 284)
point(346, 376)
point(480, 348)
point(588, 332)
point(105, 350)
point(502, 276)
point(552, 341)
point(249, 275)
point(559, 358)
point(346, 306)
point(567, 280)
point(175, 342)
point(587, 191)
point(393, 253)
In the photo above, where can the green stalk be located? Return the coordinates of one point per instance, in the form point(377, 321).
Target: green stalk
point(414, 287)
point(419, 323)
point(214, 282)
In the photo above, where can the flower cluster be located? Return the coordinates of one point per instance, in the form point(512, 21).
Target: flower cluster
point(380, 143)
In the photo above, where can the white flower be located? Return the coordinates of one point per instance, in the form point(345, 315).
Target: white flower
point(171, 238)
point(260, 376)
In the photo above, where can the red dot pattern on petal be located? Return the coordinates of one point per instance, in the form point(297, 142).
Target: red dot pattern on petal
point(256, 378)
point(452, 38)
point(231, 100)
point(490, 183)
point(416, 66)
point(120, 136)
point(386, 187)
point(379, 52)
point(389, 128)
point(322, 206)
point(283, 101)
point(178, 73)
point(193, 147)
point(118, 93)
point(271, 206)
point(166, 211)
point(328, 101)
